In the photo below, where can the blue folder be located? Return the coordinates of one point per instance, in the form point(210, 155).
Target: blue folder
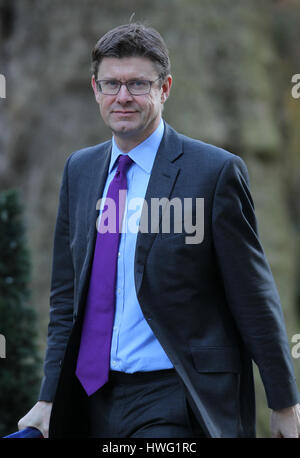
point(26, 433)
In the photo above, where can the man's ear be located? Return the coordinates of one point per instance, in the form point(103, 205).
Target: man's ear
point(95, 89)
point(166, 87)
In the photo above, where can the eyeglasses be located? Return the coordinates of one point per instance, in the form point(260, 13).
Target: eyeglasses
point(134, 87)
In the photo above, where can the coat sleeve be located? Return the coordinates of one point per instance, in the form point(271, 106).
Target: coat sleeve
point(250, 289)
point(61, 296)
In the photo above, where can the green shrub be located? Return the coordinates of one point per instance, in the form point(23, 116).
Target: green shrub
point(19, 370)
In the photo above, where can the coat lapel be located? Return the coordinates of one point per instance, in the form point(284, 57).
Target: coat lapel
point(163, 177)
point(95, 187)
point(95, 192)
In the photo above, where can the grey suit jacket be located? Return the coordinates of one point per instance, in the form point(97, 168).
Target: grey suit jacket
point(213, 306)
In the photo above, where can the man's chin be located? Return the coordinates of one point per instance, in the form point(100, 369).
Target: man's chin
point(124, 130)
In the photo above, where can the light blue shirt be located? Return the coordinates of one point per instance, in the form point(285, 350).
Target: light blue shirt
point(134, 346)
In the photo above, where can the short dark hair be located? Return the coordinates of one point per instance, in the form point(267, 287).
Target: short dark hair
point(130, 40)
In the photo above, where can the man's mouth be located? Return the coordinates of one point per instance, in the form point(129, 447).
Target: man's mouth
point(124, 112)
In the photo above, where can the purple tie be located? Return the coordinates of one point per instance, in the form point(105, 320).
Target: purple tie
point(93, 361)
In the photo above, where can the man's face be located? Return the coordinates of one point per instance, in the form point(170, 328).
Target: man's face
point(132, 118)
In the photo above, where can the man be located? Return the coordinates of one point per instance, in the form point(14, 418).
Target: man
point(152, 332)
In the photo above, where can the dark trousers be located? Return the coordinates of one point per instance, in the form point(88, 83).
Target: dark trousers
point(143, 404)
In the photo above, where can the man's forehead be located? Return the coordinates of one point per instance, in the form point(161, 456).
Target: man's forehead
point(136, 66)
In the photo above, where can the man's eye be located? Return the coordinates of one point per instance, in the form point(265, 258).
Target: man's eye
point(138, 84)
point(111, 83)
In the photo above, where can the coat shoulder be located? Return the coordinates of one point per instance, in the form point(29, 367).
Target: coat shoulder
point(205, 151)
point(198, 150)
point(84, 156)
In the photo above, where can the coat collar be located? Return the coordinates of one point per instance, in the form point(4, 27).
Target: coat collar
point(162, 179)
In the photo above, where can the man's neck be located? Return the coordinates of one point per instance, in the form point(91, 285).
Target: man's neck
point(126, 144)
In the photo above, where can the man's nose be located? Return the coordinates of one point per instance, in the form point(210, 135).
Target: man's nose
point(123, 94)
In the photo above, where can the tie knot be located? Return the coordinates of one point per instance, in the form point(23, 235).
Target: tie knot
point(124, 162)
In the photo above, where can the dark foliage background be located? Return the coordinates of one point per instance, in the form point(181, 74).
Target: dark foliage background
point(20, 370)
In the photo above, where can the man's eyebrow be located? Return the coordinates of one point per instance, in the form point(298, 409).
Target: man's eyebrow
point(147, 78)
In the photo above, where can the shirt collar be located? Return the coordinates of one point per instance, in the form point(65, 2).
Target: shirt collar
point(144, 153)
